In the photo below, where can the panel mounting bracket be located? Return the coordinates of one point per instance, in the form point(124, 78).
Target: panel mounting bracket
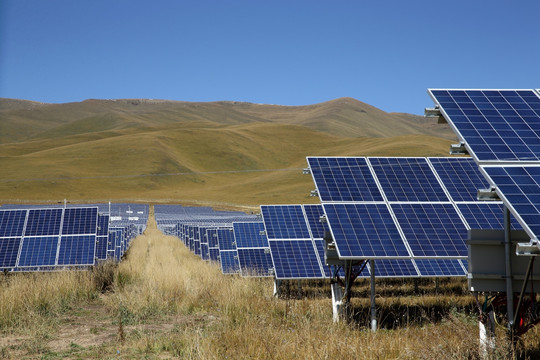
point(488, 194)
point(435, 112)
point(458, 149)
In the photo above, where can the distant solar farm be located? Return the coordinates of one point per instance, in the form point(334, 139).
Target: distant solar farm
point(61, 237)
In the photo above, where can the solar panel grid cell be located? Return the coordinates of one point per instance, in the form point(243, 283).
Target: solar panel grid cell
point(431, 229)
point(285, 222)
point(255, 262)
point(12, 223)
point(364, 231)
point(313, 216)
point(407, 179)
point(43, 222)
point(295, 259)
point(77, 250)
point(250, 235)
point(344, 179)
point(461, 177)
point(38, 251)
point(440, 267)
point(519, 186)
point(9, 249)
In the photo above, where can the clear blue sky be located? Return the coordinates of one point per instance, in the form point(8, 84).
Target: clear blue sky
point(385, 53)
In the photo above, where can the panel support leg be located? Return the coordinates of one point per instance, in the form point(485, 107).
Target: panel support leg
point(373, 308)
point(509, 289)
point(277, 290)
point(337, 301)
point(487, 335)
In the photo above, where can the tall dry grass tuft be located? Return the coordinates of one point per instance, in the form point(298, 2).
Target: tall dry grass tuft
point(28, 299)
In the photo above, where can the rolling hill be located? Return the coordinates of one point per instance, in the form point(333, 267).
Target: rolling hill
point(221, 153)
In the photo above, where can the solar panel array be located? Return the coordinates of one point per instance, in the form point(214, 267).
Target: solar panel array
point(495, 125)
point(501, 131)
point(404, 208)
point(44, 238)
point(211, 235)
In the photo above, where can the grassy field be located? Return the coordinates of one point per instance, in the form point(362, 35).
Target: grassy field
point(164, 302)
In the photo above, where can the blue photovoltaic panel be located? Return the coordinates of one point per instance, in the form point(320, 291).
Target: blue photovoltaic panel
point(440, 267)
point(248, 235)
point(319, 246)
point(343, 179)
point(295, 259)
point(394, 268)
point(77, 250)
point(432, 230)
point(213, 254)
point(79, 221)
point(284, 222)
point(461, 177)
point(255, 262)
point(496, 125)
point(407, 179)
point(9, 249)
point(101, 247)
point(485, 215)
point(229, 262)
point(43, 222)
point(204, 252)
point(38, 251)
point(12, 222)
point(519, 187)
point(313, 215)
point(226, 239)
point(212, 238)
point(364, 231)
point(103, 225)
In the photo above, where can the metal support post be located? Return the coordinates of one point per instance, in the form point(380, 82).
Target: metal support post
point(373, 308)
point(337, 301)
point(509, 289)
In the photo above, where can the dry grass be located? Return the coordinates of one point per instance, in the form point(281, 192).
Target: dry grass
point(165, 302)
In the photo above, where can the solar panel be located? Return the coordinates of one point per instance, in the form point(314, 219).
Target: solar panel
point(284, 222)
point(440, 267)
point(496, 125)
point(313, 216)
point(364, 231)
point(343, 179)
point(485, 215)
point(295, 259)
point(102, 238)
point(229, 262)
point(38, 251)
point(77, 250)
point(12, 222)
point(519, 187)
point(407, 179)
point(250, 235)
point(255, 262)
point(79, 221)
point(44, 222)
point(226, 239)
point(461, 177)
point(9, 249)
point(394, 268)
point(431, 229)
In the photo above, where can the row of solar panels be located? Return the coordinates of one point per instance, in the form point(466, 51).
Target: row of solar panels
point(287, 244)
point(38, 238)
point(500, 129)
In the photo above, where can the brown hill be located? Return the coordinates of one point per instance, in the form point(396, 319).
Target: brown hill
point(215, 153)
